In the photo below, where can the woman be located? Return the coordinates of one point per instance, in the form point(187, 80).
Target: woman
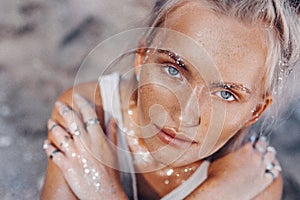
point(204, 74)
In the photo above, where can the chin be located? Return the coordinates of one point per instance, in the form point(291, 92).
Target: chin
point(170, 156)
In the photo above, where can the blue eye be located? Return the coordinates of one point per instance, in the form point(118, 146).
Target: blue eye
point(172, 71)
point(225, 95)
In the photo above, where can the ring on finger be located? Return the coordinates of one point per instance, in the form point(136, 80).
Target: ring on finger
point(65, 110)
point(92, 121)
point(53, 153)
point(270, 166)
point(271, 173)
point(53, 126)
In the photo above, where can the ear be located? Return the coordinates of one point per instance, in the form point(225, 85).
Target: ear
point(259, 110)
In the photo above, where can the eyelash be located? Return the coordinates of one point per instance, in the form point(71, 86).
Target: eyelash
point(167, 67)
point(233, 98)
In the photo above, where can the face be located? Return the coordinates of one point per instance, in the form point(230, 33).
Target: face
point(201, 84)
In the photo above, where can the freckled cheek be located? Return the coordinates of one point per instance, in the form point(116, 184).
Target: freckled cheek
point(157, 102)
point(205, 119)
point(235, 120)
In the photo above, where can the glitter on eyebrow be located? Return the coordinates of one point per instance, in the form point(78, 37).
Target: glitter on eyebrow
point(236, 86)
point(174, 56)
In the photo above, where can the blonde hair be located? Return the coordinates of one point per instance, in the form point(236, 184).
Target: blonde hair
point(279, 18)
point(283, 28)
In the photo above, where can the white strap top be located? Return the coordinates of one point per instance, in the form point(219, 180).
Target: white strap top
point(109, 86)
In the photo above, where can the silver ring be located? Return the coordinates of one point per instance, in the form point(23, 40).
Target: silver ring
point(52, 127)
point(92, 121)
point(53, 153)
point(65, 110)
point(271, 173)
point(270, 166)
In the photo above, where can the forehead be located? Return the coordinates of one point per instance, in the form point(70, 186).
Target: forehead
point(234, 47)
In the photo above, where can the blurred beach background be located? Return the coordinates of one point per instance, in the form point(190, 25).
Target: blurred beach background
point(42, 44)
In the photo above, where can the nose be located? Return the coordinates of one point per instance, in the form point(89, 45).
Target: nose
point(190, 115)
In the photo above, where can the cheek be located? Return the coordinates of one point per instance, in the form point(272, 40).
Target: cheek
point(235, 119)
point(157, 104)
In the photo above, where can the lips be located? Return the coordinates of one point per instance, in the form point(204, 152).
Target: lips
point(170, 137)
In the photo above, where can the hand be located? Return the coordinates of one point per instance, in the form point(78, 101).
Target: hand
point(245, 173)
point(83, 153)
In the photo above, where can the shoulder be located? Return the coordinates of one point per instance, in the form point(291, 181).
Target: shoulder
point(90, 91)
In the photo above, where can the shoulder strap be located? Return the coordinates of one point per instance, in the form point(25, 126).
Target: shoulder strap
point(109, 86)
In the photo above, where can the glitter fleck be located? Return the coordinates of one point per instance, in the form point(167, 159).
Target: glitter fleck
point(130, 112)
point(170, 172)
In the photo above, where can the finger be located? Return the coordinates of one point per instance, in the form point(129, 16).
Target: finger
point(112, 131)
point(270, 155)
point(273, 170)
point(271, 175)
point(261, 145)
point(89, 117)
point(61, 138)
point(73, 122)
point(54, 154)
point(85, 106)
point(277, 166)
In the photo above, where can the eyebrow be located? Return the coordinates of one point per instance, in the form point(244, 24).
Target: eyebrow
point(225, 85)
point(177, 59)
point(230, 85)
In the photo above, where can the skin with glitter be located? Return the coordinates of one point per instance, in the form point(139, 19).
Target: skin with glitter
point(168, 118)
